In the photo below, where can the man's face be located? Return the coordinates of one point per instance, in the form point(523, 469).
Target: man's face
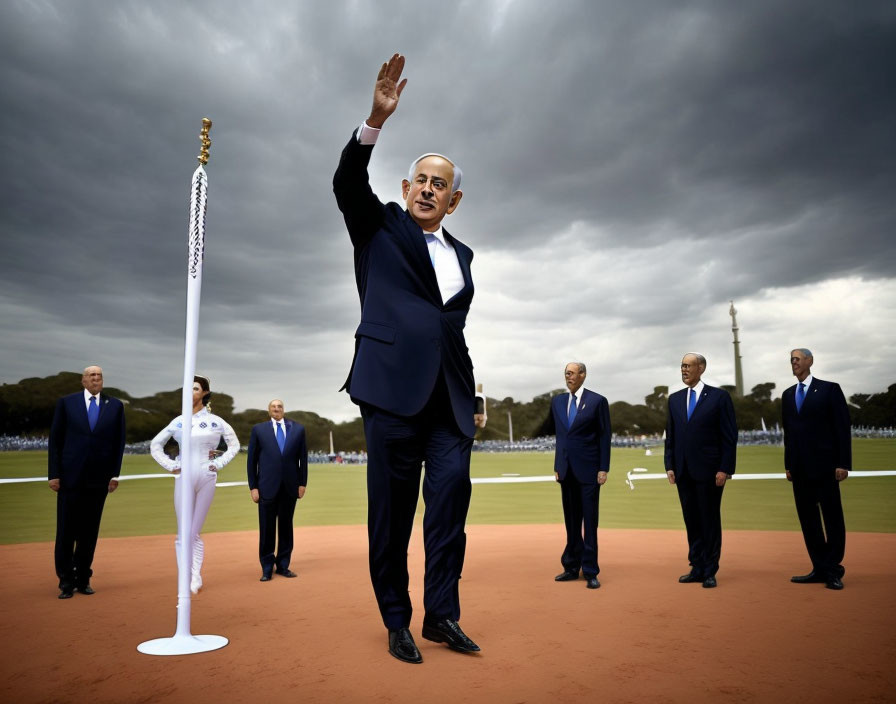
point(92, 380)
point(428, 196)
point(575, 377)
point(275, 408)
point(691, 370)
point(800, 364)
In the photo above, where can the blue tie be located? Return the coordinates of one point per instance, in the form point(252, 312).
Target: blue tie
point(800, 396)
point(281, 437)
point(572, 410)
point(93, 412)
point(692, 402)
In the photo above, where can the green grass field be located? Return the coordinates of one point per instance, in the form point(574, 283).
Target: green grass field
point(337, 496)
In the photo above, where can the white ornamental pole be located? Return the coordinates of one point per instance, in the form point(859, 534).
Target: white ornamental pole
point(183, 642)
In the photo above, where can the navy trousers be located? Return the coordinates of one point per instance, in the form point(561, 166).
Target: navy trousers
point(701, 506)
point(275, 524)
point(580, 514)
point(820, 512)
point(78, 515)
point(396, 448)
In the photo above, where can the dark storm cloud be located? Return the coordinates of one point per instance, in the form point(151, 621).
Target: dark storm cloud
point(749, 136)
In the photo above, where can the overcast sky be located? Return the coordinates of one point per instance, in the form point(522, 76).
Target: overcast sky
point(629, 168)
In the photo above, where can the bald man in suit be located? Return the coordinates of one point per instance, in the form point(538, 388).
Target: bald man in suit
point(85, 450)
point(701, 450)
point(277, 466)
point(581, 423)
point(817, 457)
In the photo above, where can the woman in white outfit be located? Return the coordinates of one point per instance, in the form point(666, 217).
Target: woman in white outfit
point(207, 431)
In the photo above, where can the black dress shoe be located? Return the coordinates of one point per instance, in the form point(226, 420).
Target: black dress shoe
point(265, 577)
point(286, 572)
point(86, 589)
point(690, 577)
point(834, 583)
point(812, 578)
point(66, 593)
point(709, 583)
point(592, 583)
point(567, 576)
point(444, 630)
point(402, 646)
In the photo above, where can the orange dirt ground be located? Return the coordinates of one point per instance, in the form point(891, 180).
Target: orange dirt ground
point(641, 637)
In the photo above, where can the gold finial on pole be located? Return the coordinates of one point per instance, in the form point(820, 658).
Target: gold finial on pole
point(206, 142)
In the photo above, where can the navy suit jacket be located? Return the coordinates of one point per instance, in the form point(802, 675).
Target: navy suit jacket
point(707, 443)
point(269, 468)
point(584, 446)
point(79, 456)
point(408, 335)
point(817, 440)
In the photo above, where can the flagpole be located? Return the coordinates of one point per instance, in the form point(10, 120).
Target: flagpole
point(183, 642)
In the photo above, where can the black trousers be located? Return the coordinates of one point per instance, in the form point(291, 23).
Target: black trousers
point(78, 515)
point(701, 506)
point(396, 448)
point(581, 503)
point(821, 518)
point(275, 528)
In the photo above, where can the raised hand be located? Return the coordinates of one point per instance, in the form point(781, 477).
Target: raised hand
point(387, 91)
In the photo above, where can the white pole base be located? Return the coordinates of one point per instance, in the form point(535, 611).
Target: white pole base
point(182, 645)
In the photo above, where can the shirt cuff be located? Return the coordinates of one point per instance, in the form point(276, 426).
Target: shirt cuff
point(367, 135)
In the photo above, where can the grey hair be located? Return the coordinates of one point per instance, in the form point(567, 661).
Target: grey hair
point(701, 360)
point(581, 366)
point(806, 353)
point(455, 184)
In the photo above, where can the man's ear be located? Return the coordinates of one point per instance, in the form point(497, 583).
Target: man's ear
point(405, 187)
point(455, 199)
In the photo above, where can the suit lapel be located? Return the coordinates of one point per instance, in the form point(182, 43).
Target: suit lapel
point(810, 393)
point(701, 401)
point(81, 411)
point(421, 263)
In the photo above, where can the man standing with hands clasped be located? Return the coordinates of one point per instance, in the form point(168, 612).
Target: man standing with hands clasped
point(581, 422)
point(701, 449)
point(85, 451)
point(278, 474)
point(817, 457)
point(411, 375)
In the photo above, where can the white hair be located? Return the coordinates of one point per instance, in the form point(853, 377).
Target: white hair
point(455, 185)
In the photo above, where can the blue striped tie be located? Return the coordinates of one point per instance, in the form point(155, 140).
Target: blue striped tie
point(692, 402)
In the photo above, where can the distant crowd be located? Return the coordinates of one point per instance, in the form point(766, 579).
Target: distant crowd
point(546, 443)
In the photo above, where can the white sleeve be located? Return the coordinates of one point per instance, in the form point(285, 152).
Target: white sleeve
point(367, 134)
point(233, 446)
point(157, 448)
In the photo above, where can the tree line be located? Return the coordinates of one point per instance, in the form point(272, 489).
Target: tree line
point(26, 409)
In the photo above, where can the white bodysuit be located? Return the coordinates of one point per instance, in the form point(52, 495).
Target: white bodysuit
point(205, 435)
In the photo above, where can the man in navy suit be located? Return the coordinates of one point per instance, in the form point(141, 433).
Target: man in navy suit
point(817, 457)
point(701, 449)
point(278, 475)
point(411, 375)
point(86, 447)
point(581, 423)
